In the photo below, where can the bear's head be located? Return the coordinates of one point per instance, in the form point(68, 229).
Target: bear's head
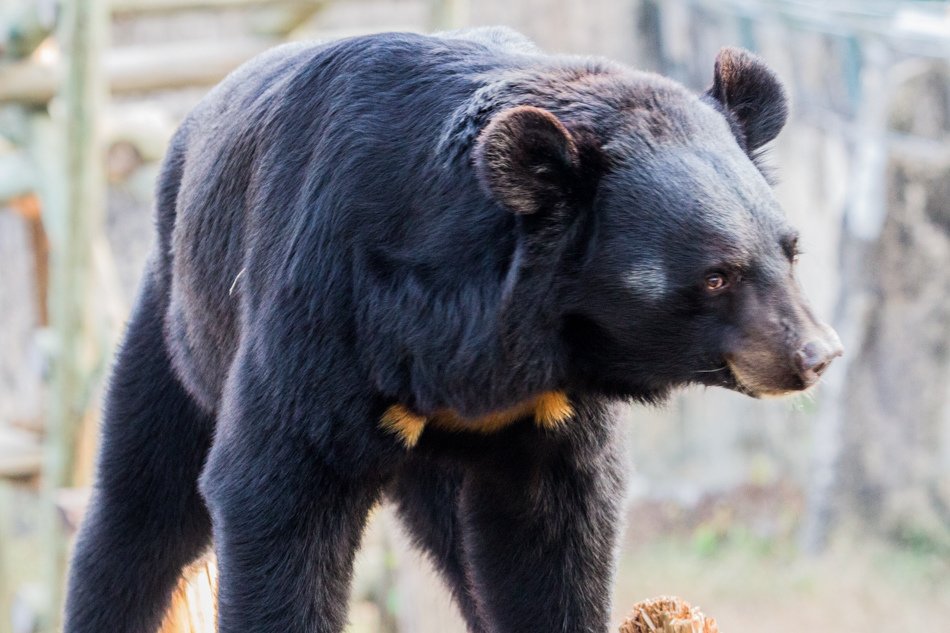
point(676, 264)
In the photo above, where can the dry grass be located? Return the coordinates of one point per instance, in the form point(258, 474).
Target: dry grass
point(855, 587)
point(746, 585)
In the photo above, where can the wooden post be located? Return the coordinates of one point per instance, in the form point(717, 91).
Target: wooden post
point(6, 594)
point(448, 14)
point(28, 206)
point(78, 221)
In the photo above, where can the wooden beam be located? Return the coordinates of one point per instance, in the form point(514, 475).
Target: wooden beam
point(21, 455)
point(138, 69)
point(271, 17)
point(179, 65)
point(120, 7)
point(28, 82)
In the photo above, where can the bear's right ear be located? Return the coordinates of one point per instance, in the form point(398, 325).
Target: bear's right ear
point(746, 88)
point(527, 159)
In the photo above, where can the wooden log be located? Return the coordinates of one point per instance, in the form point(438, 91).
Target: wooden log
point(122, 7)
point(21, 454)
point(28, 82)
point(178, 65)
point(137, 69)
point(285, 19)
point(271, 17)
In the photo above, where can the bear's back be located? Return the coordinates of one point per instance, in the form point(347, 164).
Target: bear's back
point(302, 146)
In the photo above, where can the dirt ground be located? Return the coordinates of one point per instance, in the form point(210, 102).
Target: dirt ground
point(754, 587)
point(751, 579)
point(749, 582)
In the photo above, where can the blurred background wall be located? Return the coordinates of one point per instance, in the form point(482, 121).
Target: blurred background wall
point(829, 512)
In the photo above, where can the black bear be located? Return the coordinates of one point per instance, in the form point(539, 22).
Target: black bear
point(420, 268)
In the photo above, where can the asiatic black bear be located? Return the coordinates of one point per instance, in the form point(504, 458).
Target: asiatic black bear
point(420, 268)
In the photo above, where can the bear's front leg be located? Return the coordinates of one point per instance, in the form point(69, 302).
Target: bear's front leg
point(541, 525)
point(289, 483)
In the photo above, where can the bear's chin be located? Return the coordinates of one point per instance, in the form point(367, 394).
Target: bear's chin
point(724, 377)
point(728, 379)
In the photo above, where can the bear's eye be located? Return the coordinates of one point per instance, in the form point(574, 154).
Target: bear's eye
point(716, 281)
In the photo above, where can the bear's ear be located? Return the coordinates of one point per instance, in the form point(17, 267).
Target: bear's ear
point(748, 90)
point(527, 159)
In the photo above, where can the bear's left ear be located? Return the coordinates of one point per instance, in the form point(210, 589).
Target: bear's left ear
point(527, 159)
point(746, 88)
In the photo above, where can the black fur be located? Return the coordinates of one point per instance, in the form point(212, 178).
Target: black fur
point(453, 223)
point(147, 520)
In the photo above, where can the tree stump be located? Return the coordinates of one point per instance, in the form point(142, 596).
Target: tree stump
point(667, 614)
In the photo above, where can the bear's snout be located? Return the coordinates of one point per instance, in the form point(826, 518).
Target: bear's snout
point(783, 347)
point(814, 357)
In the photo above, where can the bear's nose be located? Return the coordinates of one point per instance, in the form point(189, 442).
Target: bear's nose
point(814, 357)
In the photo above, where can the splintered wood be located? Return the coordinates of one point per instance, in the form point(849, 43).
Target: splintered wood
point(667, 614)
point(193, 606)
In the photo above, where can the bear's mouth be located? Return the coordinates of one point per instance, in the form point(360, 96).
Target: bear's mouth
point(739, 381)
point(728, 376)
point(721, 376)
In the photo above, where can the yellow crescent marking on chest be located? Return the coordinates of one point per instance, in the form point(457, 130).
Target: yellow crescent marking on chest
point(400, 421)
point(549, 409)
